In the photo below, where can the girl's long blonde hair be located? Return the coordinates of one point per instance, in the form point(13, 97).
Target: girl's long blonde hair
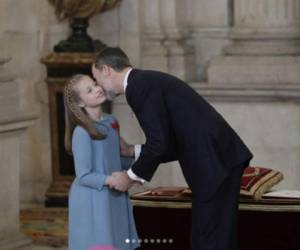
point(75, 115)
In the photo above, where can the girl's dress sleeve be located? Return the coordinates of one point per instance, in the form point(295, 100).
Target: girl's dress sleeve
point(126, 162)
point(82, 153)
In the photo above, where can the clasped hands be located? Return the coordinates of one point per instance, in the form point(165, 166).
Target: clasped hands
point(120, 181)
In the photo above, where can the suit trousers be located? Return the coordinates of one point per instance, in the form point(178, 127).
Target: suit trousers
point(215, 221)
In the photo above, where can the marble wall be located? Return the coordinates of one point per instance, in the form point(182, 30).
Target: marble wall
point(271, 130)
point(191, 39)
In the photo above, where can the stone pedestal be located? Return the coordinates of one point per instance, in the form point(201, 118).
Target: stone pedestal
point(265, 44)
point(10, 132)
point(13, 123)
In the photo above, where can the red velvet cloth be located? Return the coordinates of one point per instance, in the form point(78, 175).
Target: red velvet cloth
point(257, 180)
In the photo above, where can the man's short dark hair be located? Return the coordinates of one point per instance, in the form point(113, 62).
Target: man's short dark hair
point(114, 57)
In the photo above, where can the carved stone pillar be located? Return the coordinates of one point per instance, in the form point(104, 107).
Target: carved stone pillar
point(13, 123)
point(181, 60)
point(266, 44)
point(154, 53)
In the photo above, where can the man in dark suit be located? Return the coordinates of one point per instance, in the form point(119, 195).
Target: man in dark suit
point(180, 125)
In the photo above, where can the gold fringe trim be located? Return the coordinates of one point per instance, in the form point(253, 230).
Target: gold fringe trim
point(263, 185)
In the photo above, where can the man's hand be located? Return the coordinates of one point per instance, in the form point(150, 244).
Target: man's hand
point(126, 149)
point(110, 181)
point(121, 181)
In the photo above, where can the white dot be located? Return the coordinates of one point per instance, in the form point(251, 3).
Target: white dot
point(133, 241)
point(164, 240)
point(170, 241)
point(140, 240)
point(157, 240)
point(145, 240)
point(152, 240)
point(127, 241)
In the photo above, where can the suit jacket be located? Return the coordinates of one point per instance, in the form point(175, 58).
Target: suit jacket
point(180, 125)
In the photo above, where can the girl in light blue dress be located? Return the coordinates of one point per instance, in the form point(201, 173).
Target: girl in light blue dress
point(98, 214)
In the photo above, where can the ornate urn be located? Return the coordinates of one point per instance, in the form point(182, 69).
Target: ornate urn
point(79, 12)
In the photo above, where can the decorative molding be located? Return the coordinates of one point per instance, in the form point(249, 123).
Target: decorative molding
point(248, 92)
point(211, 32)
point(17, 122)
point(265, 28)
point(265, 49)
point(288, 9)
point(4, 60)
point(4, 76)
point(69, 58)
point(269, 12)
point(258, 93)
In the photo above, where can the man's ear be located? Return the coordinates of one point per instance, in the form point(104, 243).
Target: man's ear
point(106, 70)
point(94, 69)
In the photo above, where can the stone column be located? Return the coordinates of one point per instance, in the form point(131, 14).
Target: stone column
point(181, 60)
point(265, 44)
point(154, 53)
point(13, 123)
point(209, 23)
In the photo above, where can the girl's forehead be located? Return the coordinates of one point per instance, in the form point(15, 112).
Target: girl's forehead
point(85, 82)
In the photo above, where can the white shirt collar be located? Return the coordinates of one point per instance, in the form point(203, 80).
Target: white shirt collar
point(125, 81)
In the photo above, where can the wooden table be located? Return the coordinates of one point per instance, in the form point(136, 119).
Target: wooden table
point(271, 224)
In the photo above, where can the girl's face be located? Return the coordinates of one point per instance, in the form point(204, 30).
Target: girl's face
point(105, 78)
point(90, 94)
